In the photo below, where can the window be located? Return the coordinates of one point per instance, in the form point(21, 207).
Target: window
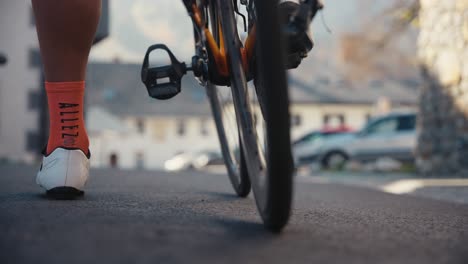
point(34, 100)
point(296, 120)
point(140, 160)
point(141, 126)
point(341, 119)
point(307, 138)
point(326, 119)
point(387, 125)
point(181, 128)
point(113, 160)
point(32, 19)
point(334, 120)
point(204, 127)
point(32, 141)
point(34, 58)
point(406, 123)
point(311, 137)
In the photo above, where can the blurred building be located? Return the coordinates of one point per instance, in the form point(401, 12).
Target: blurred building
point(330, 103)
point(128, 129)
point(23, 113)
point(20, 82)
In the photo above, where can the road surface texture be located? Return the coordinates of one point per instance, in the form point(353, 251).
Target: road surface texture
point(440, 188)
point(190, 217)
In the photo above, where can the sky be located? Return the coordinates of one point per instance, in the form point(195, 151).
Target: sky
point(137, 24)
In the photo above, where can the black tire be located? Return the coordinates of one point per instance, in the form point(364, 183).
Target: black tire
point(328, 160)
point(270, 172)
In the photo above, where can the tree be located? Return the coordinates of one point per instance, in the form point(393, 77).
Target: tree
point(383, 47)
point(442, 58)
point(443, 120)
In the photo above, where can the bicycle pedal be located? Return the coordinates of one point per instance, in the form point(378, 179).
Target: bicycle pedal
point(163, 82)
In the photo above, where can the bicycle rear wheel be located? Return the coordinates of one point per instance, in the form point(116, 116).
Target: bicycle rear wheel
point(266, 145)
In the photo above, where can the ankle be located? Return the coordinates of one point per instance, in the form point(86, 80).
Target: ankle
point(67, 127)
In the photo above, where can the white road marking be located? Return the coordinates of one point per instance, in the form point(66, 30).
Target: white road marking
point(411, 185)
point(309, 179)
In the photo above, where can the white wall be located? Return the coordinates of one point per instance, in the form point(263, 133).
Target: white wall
point(158, 142)
point(312, 115)
point(17, 78)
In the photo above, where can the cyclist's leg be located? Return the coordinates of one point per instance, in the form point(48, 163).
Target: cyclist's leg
point(66, 30)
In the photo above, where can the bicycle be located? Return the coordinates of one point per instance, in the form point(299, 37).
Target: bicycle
point(256, 151)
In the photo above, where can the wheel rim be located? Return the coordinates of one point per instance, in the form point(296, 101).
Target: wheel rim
point(221, 101)
point(336, 161)
point(226, 125)
point(254, 151)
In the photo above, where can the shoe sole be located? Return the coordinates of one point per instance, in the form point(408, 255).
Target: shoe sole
point(64, 193)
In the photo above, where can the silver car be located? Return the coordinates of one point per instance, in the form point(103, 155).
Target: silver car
point(392, 136)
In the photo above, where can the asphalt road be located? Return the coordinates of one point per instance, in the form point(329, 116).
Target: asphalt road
point(156, 217)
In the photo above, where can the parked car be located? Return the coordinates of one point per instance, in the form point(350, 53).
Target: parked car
point(208, 158)
point(180, 161)
point(198, 160)
point(392, 136)
point(302, 146)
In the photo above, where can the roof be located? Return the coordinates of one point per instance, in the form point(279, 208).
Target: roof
point(341, 92)
point(98, 119)
point(117, 88)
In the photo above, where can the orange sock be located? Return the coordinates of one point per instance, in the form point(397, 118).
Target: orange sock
point(67, 127)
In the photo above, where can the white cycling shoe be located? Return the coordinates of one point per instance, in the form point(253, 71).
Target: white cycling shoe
point(63, 173)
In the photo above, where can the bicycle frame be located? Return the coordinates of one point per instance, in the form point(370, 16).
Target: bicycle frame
point(221, 59)
point(218, 66)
